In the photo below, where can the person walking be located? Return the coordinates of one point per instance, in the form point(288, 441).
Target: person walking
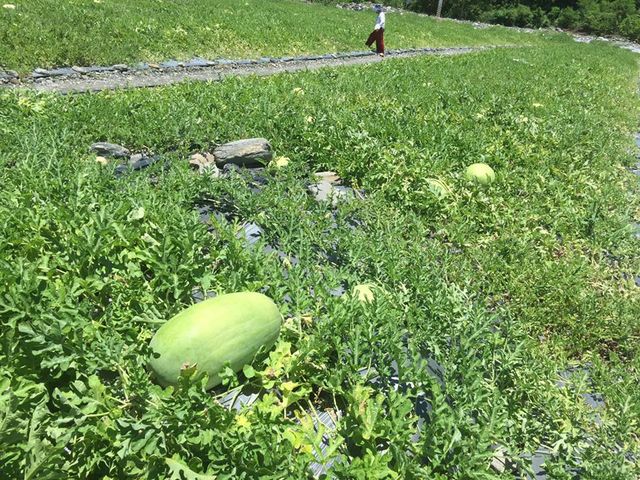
point(378, 31)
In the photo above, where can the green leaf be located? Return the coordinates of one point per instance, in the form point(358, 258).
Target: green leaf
point(136, 214)
point(178, 468)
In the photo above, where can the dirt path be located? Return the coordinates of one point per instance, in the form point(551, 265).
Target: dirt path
point(78, 82)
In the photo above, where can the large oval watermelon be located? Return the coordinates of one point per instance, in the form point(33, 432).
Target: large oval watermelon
point(229, 328)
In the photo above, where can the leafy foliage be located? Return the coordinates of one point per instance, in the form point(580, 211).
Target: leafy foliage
point(504, 286)
point(602, 17)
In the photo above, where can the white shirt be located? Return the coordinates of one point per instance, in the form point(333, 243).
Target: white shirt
point(379, 21)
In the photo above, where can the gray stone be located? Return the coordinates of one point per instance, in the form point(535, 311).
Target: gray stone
point(82, 70)
point(135, 158)
point(230, 169)
point(98, 69)
point(120, 67)
point(8, 76)
point(137, 162)
point(40, 73)
point(56, 72)
point(140, 161)
point(198, 63)
point(105, 149)
point(252, 152)
point(170, 64)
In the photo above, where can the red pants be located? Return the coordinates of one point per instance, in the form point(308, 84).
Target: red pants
point(378, 37)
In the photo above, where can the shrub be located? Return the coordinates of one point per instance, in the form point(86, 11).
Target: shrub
point(568, 18)
point(519, 16)
point(630, 27)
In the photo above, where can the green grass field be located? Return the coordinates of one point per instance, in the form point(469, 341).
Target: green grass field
point(504, 286)
point(48, 33)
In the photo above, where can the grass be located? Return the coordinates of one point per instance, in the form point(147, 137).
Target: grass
point(53, 33)
point(504, 286)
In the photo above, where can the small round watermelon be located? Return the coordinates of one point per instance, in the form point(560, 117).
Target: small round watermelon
point(480, 173)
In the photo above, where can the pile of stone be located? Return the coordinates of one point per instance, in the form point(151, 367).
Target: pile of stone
point(8, 76)
point(251, 153)
point(362, 6)
point(106, 151)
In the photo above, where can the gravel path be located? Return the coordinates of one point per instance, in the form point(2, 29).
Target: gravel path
point(153, 76)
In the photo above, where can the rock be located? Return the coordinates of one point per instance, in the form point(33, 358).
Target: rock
point(56, 72)
point(120, 67)
point(135, 158)
point(331, 177)
point(105, 149)
point(204, 164)
point(97, 69)
point(8, 76)
point(82, 70)
point(252, 152)
point(40, 73)
point(140, 161)
point(198, 62)
point(230, 168)
point(136, 162)
point(170, 64)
